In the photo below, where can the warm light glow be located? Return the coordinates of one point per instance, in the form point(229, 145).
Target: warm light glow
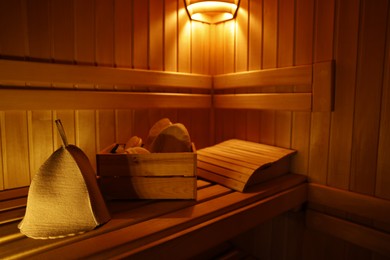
point(211, 11)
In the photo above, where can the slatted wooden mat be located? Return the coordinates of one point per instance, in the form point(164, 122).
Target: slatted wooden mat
point(238, 164)
point(148, 229)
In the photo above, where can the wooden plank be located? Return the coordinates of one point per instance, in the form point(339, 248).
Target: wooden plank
point(194, 236)
point(352, 202)
point(360, 235)
point(40, 138)
point(104, 34)
point(229, 33)
point(20, 72)
point(2, 150)
point(322, 89)
point(255, 34)
point(346, 37)
point(149, 187)
point(13, 193)
point(170, 35)
point(84, 32)
point(383, 168)
point(293, 101)
point(368, 96)
point(270, 33)
point(296, 75)
point(15, 150)
point(269, 61)
point(105, 127)
point(39, 35)
point(13, 25)
point(62, 31)
point(124, 125)
point(123, 34)
point(184, 40)
point(154, 164)
point(285, 58)
point(199, 52)
point(64, 99)
point(242, 38)
point(123, 214)
point(148, 231)
point(140, 34)
point(85, 126)
point(156, 35)
point(303, 49)
point(323, 86)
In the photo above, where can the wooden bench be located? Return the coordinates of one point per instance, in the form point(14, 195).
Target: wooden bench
point(147, 229)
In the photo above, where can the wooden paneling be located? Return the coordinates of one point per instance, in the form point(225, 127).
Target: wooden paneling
point(46, 74)
point(64, 99)
point(369, 85)
point(96, 36)
point(358, 234)
point(346, 148)
point(298, 75)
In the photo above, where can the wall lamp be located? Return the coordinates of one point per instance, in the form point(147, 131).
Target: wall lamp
point(211, 11)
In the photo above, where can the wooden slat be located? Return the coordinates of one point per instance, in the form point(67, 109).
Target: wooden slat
point(137, 235)
point(142, 223)
point(258, 212)
point(16, 99)
point(291, 101)
point(372, 239)
point(46, 74)
point(298, 75)
point(13, 193)
point(323, 77)
point(342, 118)
point(123, 214)
point(352, 202)
point(369, 78)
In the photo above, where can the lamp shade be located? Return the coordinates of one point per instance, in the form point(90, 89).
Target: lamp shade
point(211, 11)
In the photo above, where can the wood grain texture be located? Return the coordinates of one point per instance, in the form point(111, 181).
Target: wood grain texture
point(84, 32)
point(123, 33)
point(352, 202)
point(303, 48)
point(297, 75)
point(15, 150)
point(322, 88)
point(368, 96)
point(40, 138)
point(62, 27)
point(383, 168)
point(358, 234)
point(293, 101)
point(182, 222)
point(346, 35)
point(45, 74)
point(170, 39)
point(64, 99)
point(13, 40)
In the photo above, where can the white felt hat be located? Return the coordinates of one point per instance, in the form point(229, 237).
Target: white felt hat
point(64, 198)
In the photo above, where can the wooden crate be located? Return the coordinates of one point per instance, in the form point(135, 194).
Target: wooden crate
point(147, 176)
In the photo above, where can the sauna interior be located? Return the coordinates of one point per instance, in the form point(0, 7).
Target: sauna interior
point(342, 147)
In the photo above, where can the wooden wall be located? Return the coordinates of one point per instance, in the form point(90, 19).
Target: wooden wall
point(347, 148)
point(155, 35)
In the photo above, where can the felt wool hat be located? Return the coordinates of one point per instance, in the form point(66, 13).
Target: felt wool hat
point(64, 198)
